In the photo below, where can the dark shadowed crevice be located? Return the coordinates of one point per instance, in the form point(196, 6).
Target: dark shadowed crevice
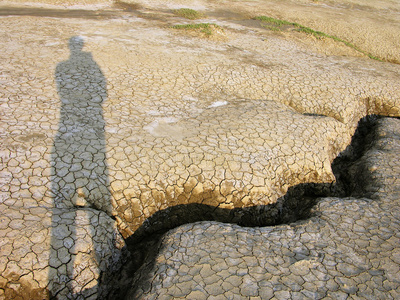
point(295, 205)
point(347, 167)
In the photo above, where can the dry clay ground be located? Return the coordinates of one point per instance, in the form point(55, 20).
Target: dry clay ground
point(144, 117)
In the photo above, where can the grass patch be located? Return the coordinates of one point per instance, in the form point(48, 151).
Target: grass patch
point(273, 28)
point(277, 25)
point(273, 21)
point(188, 13)
point(206, 28)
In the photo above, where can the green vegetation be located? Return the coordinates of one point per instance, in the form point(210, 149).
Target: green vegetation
point(206, 28)
point(188, 13)
point(273, 21)
point(277, 25)
point(273, 28)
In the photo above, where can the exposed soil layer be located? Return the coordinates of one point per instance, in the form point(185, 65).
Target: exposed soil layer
point(124, 122)
point(369, 194)
point(297, 205)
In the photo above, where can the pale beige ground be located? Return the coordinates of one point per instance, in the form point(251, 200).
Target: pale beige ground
point(232, 120)
point(373, 26)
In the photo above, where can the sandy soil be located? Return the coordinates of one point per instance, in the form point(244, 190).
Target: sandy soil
point(373, 26)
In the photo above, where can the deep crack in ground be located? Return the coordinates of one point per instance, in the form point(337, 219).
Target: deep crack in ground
point(297, 205)
point(99, 141)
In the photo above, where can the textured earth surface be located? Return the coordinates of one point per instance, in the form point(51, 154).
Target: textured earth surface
point(111, 119)
point(347, 249)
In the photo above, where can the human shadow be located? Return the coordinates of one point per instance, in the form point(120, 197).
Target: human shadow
point(79, 172)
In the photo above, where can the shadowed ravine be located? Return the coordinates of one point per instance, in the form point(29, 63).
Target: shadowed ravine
point(295, 206)
point(177, 158)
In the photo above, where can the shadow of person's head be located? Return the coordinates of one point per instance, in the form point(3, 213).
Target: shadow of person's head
point(76, 44)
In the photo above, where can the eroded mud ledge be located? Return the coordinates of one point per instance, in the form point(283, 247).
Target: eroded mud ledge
point(293, 206)
point(296, 207)
point(107, 121)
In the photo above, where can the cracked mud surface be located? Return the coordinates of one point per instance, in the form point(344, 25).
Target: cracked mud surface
point(347, 249)
point(101, 132)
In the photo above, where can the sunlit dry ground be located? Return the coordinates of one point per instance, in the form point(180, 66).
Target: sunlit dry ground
point(146, 116)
